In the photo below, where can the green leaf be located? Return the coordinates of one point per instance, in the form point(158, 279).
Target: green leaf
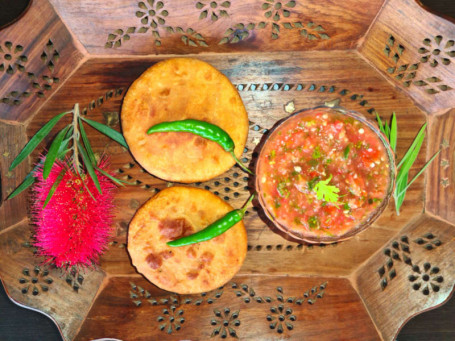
point(399, 188)
point(346, 151)
point(420, 135)
point(114, 180)
point(418, 174)
point(381, 126)
point(88, 190)
point(393, 133)
point(87, 145)
point(30, 177)
point(89, 167)
point(108, 131)
point(326, 192)
point(54, 151)
point(387, 131)
point(28, 181)
point(54, 187)
point(36, 139)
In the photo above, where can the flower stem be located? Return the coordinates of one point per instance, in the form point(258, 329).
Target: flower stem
point(76, 164)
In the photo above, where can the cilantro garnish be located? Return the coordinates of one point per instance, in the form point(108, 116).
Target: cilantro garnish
point(326, 192)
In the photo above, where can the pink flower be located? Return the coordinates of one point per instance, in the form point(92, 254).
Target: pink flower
point(74, 228)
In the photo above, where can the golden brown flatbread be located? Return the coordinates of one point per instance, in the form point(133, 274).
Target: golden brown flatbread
point(178, 89)
point(180, 211)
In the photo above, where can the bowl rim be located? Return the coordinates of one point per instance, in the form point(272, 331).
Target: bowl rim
point(364, 224)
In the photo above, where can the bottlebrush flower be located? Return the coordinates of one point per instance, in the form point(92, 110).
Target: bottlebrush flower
point(73, 229)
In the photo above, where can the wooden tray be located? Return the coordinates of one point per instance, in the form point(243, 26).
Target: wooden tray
point(365, 55)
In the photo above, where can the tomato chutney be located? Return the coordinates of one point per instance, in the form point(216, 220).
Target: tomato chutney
point(324, 173)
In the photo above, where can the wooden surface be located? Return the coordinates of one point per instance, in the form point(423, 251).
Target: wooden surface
point(413, 272)
point(323, 69)
point(414, 50)
point(183, 29)
point(261, 301)
point(65, 297)
point(440, 189)
point(34, 65)
point(331, 71)
point(11, 143)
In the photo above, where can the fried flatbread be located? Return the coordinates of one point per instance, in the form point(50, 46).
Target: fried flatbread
point(180, 211)
point(178, 89)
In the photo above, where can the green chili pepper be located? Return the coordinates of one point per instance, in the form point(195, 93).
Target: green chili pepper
point(215, 229)
point(204, 129)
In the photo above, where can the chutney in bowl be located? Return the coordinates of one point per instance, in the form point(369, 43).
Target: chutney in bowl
point(325, 174)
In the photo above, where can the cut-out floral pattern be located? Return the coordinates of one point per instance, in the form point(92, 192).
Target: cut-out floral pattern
point(171, 319)
point(399, 251)
point(433, 54)
point(281, 317)
point(49, 57)
point(11, 58)
point(35, 281)
point(152, 13)
point(279, 310)
point(213, 9)
point(225, 323)
point(276, 9)
point(426, 280)
point(437, 51)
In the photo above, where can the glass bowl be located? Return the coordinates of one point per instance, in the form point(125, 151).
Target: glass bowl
point(281, 212)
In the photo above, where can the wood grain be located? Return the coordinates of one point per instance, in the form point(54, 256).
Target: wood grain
point(342, 24)
point(306, 57)
point(30, 283)
point(440, 187)
point(417, 267)
point(35, 64)
point(14, 210)
point(317, 73)
point(421, 35)
point(338, 312)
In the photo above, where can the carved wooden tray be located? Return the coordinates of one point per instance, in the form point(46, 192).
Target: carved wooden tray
point(367, 55)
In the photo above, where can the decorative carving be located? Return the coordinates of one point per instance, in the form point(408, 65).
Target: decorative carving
point(11, 58)
point(152, 14)
point(426, 280)
point(407, 73)
point(445, 182)
point(96, 103)
point(280, 314)
point(434, 53)
point(35, 281)
point(74, 279)
point(399, 251)
point(428, 241)
point(225, 323)
point(172, 319)
point(281, 317)
point(211, 9)
point(49, 57)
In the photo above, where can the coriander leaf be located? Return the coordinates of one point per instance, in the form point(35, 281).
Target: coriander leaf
point(346, 151)
point(326, 192)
